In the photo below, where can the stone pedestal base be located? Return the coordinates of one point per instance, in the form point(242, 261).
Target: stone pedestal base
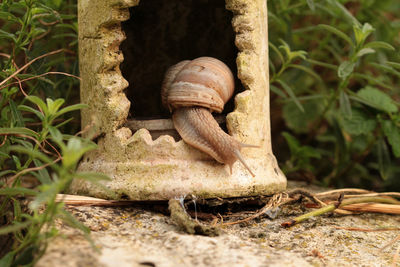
point(150, 172)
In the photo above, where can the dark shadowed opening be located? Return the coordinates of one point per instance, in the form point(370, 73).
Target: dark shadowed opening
point(161, 33)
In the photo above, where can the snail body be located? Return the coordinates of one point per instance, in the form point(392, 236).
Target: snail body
point(194, 89)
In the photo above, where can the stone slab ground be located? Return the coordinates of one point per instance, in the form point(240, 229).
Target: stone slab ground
point(132, 236)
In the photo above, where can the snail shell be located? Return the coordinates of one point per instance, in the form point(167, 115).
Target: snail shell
point(194, 89)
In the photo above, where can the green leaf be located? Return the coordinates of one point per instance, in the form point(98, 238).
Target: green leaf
point(26, 256)
point(67, 16)
point(73, 35)
point(32, 110)
point(360, 34)
point(300, 155)
point(371, 80)
point(38, 10)
point(34, 154)
point(56, 135)
point(47, 194)
point(54, 106)
point(345, 12)
point(72, 221)
point(50, 103)
point(35, 32)
point(292, 142)
point(39, 102)
point(17, 162)
point(392, 133)
point(377, 99)
point(345, 106)
point(17, 209)
point(379, 44)
point(311, 4)
point(10, 17)
point(393, 64)
point(6, 35)
point(365, 51)
point(16, 116)
point(291, 94)
point(277, 91)
point(4, 173)
point(7, 259)
point(5, 155)
point(15, 227)
point(323, 64)
point(42, 175)
point(291, 55)
point(74, 151)
point(383, 158)
point(387, 68)
point(345, 69)
point(340, 142)
point(358, 123)
point(299, 122)
point(12, 191)
point(306, 70)
point(19, 130)
point(63, 123)
point(67, 26)
point(71, 108)
point(336, 32)
point(276, 50)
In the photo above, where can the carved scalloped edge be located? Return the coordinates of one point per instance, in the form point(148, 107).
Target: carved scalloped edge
point(141, 146)
point(112, 82)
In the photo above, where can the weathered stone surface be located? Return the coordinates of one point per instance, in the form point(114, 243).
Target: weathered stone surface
point(135, 237)
point(143, 168)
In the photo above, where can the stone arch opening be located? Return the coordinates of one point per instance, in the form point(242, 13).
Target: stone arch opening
point(158, 35)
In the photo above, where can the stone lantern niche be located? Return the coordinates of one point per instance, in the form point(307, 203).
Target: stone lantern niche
point(125, 47)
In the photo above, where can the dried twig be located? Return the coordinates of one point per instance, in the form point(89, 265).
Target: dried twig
point(344, 191)
point(28, 64)
point(12, 178)
point(374, 207)
point(75, 200)
point(390, 243)
point(41, 75)
point(395, 257)
point(332, 207)
point(31, 138)
point(55, 149)
point(368, 230)
point(4, 140)
point(316, 200)
point(389, 194)
point(276, 201)
point(48, 23)
point(4, 55)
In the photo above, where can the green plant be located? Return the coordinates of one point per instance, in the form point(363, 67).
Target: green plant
point(335, 75)
point(38, 153)
point(337, 79)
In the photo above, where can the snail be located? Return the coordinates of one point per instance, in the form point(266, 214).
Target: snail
point(191, 90)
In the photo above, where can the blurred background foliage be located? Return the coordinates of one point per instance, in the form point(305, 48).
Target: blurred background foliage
point(335, 73)
point(334, 70)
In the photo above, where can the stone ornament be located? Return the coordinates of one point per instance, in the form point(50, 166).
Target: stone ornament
point(145, 158)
